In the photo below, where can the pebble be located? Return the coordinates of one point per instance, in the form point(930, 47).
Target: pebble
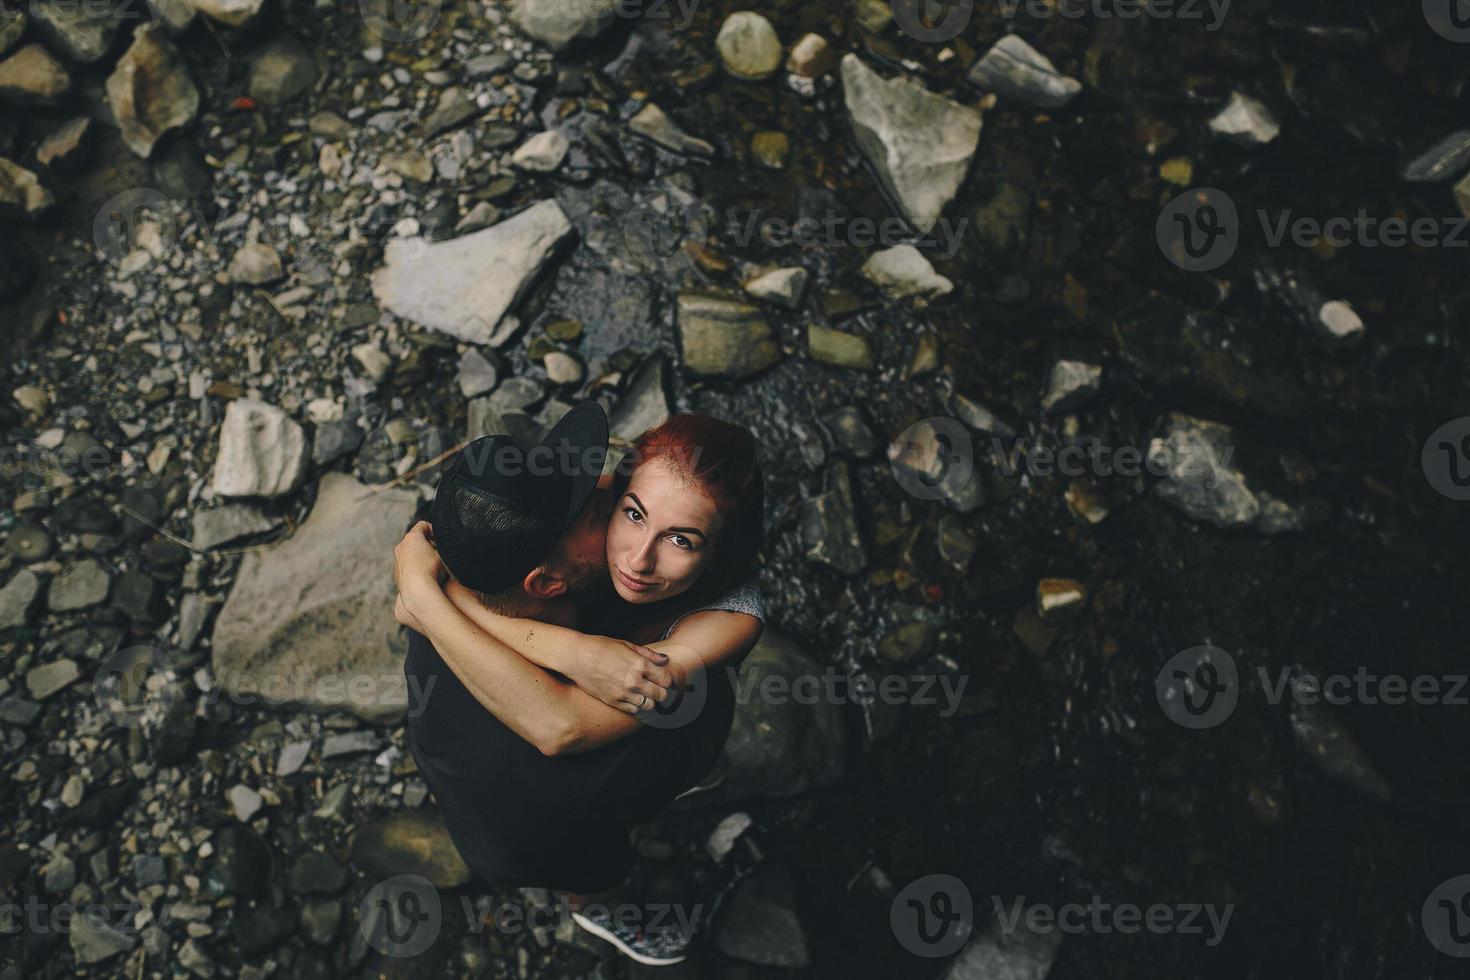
point(748, 46)
point(1071, 384)
point(244, 802)
point(1245, 121)
point(256, 265)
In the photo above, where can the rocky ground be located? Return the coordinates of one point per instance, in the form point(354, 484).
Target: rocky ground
point(261, 263)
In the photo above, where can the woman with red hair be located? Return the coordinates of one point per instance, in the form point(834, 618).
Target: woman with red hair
point(683, 526)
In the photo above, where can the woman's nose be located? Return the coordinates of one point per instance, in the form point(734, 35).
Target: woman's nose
point(642, 559)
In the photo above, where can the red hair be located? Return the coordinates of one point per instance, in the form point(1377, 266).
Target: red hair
point(718, 458)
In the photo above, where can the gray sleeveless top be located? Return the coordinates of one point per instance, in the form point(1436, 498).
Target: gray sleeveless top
point(745, 597)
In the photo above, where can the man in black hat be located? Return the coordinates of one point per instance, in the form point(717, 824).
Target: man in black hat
point(523, 529)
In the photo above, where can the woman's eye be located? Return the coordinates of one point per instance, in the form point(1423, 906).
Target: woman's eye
point(633, 514)
point(682, 542)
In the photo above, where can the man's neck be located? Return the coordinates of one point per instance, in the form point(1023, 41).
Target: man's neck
point(561, 611)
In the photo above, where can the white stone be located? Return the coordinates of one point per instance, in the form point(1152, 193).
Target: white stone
point(783, 286)
point(1245, 121)
point(542, 153)
point(262, 452)
point(903, 271)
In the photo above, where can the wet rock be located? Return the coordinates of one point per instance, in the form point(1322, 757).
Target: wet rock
point(79, 586)
point(902, 271)
point(410, 843)
point(44, 681)
point(783, 286)
point(1245, 121)
point(258, 928)
point(21, 193)
point(1017, 72)
point(256, 265)
point(996, 954)
point(316, 873)
point(82, 31)
point(1071, 384)
point(442, 285)
point(761, 925)
point(219, 526)
point(18, 711)
point(850, 430)
point(454, 109)
point(296, 629)
point(319, 920)
point(17, 263)
point(231, 13)
point(29, 541)
point(150, 92)
point(18, 599)
point(542, 153)
point(281, 71)
point(1333, 751)
point(644, 402)
point(748, 46)
point(68, 147)
point(724, 337)
point(956, 544)
point(653, 123)
point(137, 596)
point(262, 452)
point(31, 77)
point(1004, 221)
point(240, 865)
point(771, 150)
point(811, 57)
point(94, 941)
point(59, 874)
point(562, 26)
point(1195, 455)
point(192, 956)
point(925, 453)
point(1445, 160)
point(829, 525)
point(839, 348)
point(919, 144)
point(978, 417)
point(909, 643)
point(12, 26)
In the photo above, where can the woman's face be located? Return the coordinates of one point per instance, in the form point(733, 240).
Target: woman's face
point(661, 534)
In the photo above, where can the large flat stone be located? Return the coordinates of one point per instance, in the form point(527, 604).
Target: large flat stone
point(310, 620)
point(463, 286)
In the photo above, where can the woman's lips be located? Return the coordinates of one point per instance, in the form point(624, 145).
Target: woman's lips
point(631, 582)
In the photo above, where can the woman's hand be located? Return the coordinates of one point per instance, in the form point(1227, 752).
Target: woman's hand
point(620, 674)
point(416, 565)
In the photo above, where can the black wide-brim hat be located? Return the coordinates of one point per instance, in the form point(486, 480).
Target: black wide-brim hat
point(500, 506)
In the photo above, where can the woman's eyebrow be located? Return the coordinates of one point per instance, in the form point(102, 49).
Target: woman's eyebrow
point(686, 530)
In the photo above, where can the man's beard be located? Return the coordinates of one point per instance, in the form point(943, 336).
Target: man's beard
point(589, 582)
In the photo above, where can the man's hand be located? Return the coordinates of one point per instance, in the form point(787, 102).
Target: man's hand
point(416, 565)
point(401, 613)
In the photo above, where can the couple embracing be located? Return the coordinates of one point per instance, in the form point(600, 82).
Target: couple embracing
point(573, 634)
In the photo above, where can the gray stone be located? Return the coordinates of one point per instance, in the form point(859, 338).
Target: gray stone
point(902, 271)
point(644, 403)
point(82, 31)
point(1332, 750)
point(194, 610)
point(18, 600)
point(839, 348)
point(256, 265)
point(998, 954)
point(31, 77)
point(262, 452)
point(18, 711)
point(485, 65)
point(229, 523)
point(94, 941)
point(760, 923)
point(908, 643)
point(978, 417)
point(177, 15)
point(1017, 72)
point(66, 147)
point(1070, 384)
point(149, 869)
point(316, 873)
point(1194, 458)
point(350, 743)
point(137, 595)
point(409, 843)
point(150, 91)
point(562, 368)
point(231, 13)
point(244, 802)
point(653, 123)
point(850, 430)
point(454, 109)
point(192, 956)
point(48, 679)
point(1445, 160)
point(542, 153)
point(476, 374)
point(748, 46)
point(724, 337)
point(334, 440)
point(919, 144)
point(12, 26)
point(297, 629)
point(560, 25)
point(79, 586)
point(829, 525)
point(21, 193)
point(926, 456)
point(444, 286)
point(292, 758)
point(320, 918)
point(283, 70)
point(59, 874)
point(1245, 121)
point(783, 286)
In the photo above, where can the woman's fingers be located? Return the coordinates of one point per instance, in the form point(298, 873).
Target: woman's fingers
point(653, 656)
